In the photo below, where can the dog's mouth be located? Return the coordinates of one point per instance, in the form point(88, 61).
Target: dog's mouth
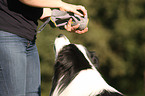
point(60, 42)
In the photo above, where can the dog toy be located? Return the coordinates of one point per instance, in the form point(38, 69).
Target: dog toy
point(60, 19)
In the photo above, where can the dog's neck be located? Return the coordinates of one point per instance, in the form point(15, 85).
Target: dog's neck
point(75, 75)
point(84, 85)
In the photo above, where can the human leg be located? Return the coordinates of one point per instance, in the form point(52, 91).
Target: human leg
point(12, 64)
point(33, 77)
point(15, 66)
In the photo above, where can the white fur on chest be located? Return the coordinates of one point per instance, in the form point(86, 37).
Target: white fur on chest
point(87, 83)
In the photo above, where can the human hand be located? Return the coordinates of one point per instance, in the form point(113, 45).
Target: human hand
point(70, 28)
point(73, 8)
point(46, 14)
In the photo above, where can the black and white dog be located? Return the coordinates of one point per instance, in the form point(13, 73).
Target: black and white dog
point(75, 73)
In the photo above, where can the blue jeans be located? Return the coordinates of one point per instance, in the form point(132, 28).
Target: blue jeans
point(19, 66)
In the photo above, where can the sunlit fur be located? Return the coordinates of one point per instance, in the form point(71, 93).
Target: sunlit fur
point(75, 72)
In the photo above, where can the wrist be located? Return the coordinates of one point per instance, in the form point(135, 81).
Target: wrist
point(61, 4)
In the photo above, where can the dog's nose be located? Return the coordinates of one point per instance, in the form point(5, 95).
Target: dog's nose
point(60, 35)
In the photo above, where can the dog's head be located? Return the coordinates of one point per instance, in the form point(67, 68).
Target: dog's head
point(70, 59)
point(75, 71)
point(63, 44)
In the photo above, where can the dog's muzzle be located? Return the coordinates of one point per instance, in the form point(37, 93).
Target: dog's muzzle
point(60, 42)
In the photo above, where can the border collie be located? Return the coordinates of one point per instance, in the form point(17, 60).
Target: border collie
point(75, 73)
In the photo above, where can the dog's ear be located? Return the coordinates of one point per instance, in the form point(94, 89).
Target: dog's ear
point(94, 59)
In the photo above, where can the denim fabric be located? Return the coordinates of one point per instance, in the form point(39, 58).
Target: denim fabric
point(19, 66)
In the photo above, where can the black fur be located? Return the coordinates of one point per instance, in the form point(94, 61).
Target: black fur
point(70, 62)
point(107, 93)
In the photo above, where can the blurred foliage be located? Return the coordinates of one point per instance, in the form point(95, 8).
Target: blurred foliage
point(117, 35)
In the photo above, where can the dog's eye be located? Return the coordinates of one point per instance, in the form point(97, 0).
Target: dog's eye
point(94, 59)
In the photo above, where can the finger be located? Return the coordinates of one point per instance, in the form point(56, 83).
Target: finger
point(68, 26)
point(82, 8)
point(75, 27)
point(78, 13)
point(83, 31)
point(61, 9)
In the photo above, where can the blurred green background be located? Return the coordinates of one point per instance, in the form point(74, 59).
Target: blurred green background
point(117, 35)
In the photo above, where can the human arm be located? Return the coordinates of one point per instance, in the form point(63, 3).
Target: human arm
point(47, 4)
point(55, 4)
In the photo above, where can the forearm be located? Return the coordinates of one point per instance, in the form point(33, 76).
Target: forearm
point(44, 3)
point(56, 4)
